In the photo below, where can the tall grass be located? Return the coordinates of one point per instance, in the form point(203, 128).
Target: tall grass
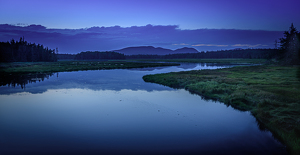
point(271, 93)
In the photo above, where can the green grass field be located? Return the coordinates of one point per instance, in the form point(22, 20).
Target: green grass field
point(63, 66)
point(271, 93)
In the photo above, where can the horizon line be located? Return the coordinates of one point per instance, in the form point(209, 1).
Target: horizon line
point(152, 25)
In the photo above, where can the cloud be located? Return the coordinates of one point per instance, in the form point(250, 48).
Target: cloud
point(116, 37)
point(248, 45)
point(210, 45)
point(182, 44)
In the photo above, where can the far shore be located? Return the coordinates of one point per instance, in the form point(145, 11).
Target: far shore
point(67, 66)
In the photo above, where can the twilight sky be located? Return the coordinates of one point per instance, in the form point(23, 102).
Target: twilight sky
point(182, 17)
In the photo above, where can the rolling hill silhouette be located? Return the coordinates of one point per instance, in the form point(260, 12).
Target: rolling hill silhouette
point(150, 50)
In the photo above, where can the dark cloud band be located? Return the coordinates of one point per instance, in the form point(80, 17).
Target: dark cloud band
point(116, 37)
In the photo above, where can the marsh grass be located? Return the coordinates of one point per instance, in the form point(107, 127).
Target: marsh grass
point(62, 66)
point(271, 93)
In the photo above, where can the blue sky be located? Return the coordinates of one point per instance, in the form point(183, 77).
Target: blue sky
point(188, 14)
point(202, 24)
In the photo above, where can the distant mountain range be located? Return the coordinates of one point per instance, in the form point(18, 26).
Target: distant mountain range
point(150, 50)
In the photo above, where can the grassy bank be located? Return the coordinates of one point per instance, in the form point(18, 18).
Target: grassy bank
point(271, 93)
point(62, 66)
point(227, 61)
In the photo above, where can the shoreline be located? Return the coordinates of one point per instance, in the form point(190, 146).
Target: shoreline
point(68, 66)
point(271, 93)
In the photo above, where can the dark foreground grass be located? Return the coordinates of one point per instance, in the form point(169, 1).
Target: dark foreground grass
point(63, 66)
point(271, 93)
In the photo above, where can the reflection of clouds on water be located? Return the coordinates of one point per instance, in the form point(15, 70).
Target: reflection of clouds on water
point(109, 108)
point(188, 65)
point(96, 80)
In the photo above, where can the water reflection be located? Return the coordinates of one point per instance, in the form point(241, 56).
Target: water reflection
point(116, 112)
point(96, 80)
point(127, 121)
point(19, 79)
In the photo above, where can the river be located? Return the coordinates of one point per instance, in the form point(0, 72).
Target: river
point(116, 112)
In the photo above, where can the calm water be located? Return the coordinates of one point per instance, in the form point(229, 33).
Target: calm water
point(116, 112)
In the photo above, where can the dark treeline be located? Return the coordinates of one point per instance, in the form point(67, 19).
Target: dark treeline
point(22, 51)
point(66, 56)
point(240, 53)
point(236, 53)
point(289, 53)
point(98, 55)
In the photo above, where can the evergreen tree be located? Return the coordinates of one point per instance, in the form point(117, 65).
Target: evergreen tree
point(290, 46)
point(23, 51)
